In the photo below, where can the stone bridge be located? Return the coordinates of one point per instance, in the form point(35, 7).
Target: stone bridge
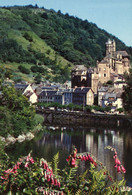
point(86, 119)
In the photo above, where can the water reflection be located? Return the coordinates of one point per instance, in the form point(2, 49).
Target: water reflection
point(91, 140)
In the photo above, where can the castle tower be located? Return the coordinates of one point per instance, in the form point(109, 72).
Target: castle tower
point(110, 47)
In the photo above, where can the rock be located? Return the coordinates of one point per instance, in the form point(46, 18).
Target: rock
point(29, 136)
point(21, 138)
point(10, 139)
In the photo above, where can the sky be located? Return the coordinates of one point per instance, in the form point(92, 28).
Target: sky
point(114, 16)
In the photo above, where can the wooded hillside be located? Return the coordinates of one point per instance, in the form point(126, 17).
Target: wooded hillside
point(35, 42)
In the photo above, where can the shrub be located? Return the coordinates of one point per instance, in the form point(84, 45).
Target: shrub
point(28, 37)
point(23, 69)
point(120, 110)
point(38, 119)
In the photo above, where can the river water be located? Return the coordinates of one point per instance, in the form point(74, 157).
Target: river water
point(53, 139)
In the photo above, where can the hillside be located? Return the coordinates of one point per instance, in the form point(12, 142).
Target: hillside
point(39, 43)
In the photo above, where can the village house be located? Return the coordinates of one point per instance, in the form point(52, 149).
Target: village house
point(83, 96)
point(79, 76)
point(27, 90)
point(59, 97)
point(68, 94)
point(101, 92)
point(47, 96)
point(113, 100)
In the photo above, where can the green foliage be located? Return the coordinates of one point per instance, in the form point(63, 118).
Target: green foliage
point(16, 114)
point(11, 51)
point(38, 119)
point(28, 37)
point(29, 176)
point(110, 82)
point(127, 93)
point(74, 107)
point(55, 164)
point(101, 109)
point(38, 78)
point(23, 69)
point(120, 110)
point(5, 73)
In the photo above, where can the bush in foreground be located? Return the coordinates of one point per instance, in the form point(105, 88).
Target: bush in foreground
point(29, 176)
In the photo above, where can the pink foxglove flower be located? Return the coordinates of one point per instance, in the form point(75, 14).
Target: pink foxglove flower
point(48, 178)
point(123, 169)
point(117, 161)
point(118, 169)
point(59, 184)
point(31, 160)
point(8, 171)
point(73, 162)
point(26, 164)
point(52, 181)
point(55, 182)
point(68, 158)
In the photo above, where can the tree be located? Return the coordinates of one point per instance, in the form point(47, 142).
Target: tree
point(23, 69)
point(16, 114)
point(127, 94)
point(38, 78)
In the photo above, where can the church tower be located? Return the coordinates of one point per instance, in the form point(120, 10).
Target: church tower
point(110, 47)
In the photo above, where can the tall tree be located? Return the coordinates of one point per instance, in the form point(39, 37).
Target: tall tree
point(127, 94)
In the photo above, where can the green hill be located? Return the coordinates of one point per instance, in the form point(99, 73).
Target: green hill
point(40, 43)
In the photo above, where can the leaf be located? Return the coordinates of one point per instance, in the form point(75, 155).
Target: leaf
point(55, 163)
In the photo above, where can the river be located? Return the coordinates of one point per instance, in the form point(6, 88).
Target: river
point(53, 139)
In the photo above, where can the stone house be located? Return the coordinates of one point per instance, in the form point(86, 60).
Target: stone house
point(59, 97)
point(101, 92)
point(68, 94)
point(79, 76)
point(83, 96)
point(47, 96)
point(113, 100)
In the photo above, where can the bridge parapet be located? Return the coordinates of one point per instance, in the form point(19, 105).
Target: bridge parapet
point(85, 119)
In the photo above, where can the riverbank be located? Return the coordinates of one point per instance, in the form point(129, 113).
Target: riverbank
point(21, 138)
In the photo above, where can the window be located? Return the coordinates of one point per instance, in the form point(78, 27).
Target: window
point(104, 75)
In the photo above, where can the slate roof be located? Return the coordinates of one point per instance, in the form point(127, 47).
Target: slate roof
point(103, 89)
point(82, 90)
point(109, 95)
point(80, 67)
point(48, 88)
point(91, 70)
point(20, 86)
point(123, 53)
point(58, 93)
point(47, 93)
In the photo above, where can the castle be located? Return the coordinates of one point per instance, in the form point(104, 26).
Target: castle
point(113, 65)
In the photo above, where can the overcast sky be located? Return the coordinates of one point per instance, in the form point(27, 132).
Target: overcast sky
point(114, 16)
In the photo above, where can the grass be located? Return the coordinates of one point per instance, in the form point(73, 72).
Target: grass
point(13, 27)
point(14, 67)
